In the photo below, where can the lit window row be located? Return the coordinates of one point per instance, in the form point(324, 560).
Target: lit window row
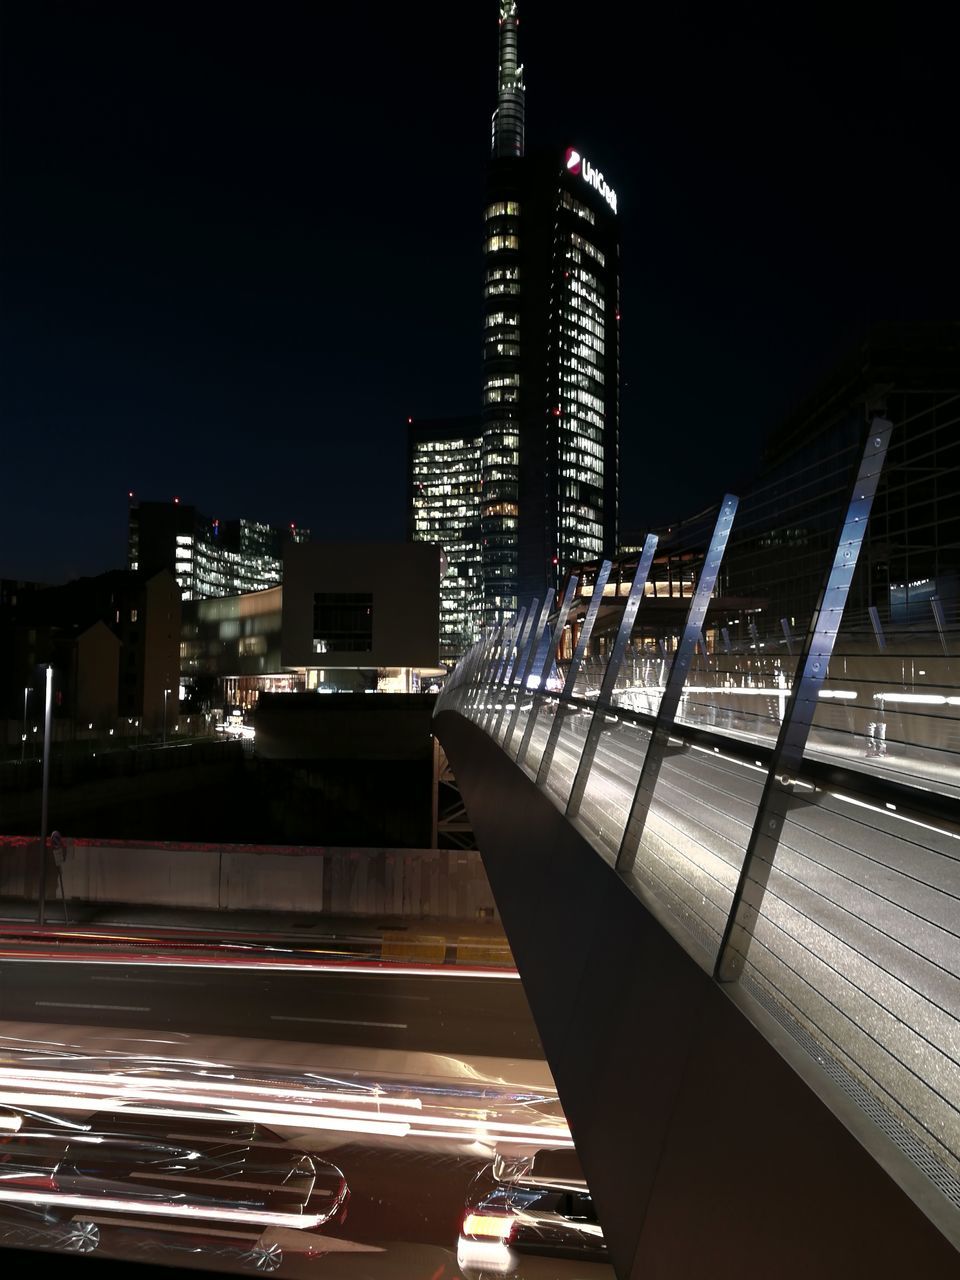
point(582, 358)
point(575, 206)
point(585, 246)
point(581, 449)
point(579, 272)
point(495, 319)
point(580, 334)
point(589, 292)
point(501, 209)
point(496, 243)
point(573, 316)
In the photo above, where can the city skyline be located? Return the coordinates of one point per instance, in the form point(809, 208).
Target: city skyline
point(234, 267)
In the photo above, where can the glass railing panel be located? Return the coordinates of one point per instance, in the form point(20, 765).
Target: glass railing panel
point(573, 724)
point(895, 713)
point(641, 682)
point(543, 709)
point(857, 940)
point(611, 784)
point(696, 836)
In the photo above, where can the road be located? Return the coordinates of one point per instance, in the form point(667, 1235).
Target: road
point(363, 1069)
point(428, 1011)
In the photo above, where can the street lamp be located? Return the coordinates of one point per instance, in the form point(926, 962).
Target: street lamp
point(47, 714)
point(23, 736)
point(164, 740)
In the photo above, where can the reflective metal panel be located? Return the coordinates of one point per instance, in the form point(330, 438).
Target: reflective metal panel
point(675, 682)
point(778, 791)
point(548, 660)
point(546, 760)
point(538, 636)
point(604, 698)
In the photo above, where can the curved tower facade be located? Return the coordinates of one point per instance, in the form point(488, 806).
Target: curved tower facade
point(551, 355)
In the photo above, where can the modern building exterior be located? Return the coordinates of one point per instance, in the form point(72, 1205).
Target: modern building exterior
point(551, 321)
point(444, 506)
point(208, 557)
point(349, 616)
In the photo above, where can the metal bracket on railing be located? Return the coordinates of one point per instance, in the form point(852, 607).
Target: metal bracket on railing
point(787, 758)
point(610, 675)
point(679, 670)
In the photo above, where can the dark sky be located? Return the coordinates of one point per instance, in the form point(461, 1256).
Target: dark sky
point(241, 243)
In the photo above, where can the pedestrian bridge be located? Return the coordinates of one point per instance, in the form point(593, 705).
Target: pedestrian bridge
point(735, 904)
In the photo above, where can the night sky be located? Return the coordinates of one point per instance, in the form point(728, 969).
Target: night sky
point(242, 243)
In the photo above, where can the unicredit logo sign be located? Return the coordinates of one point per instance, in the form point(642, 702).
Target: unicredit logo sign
point(576, 163)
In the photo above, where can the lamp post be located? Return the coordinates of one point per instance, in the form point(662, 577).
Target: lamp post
point(47, 715)
point(23, 736)
point(164, 739)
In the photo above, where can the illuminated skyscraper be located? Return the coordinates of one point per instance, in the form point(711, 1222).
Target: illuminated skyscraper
point(444, 471)
point(551, 355)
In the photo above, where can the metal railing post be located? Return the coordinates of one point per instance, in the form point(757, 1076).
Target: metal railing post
point(537, 637)
point(787, 757)
point(679, 669)
point(548, 660)
point(546, 760)
point(517, 664)
point(633, 602)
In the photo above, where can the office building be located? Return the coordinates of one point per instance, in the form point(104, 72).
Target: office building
point(348, 617)
point(208, 557)
point(551, 319)
point(444, 506)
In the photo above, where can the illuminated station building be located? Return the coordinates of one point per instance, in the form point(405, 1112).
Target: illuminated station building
point(551, 319)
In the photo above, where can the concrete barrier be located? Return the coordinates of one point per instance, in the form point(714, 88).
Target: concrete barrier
point(415, 883)
point(416, 948)
point(484, 951)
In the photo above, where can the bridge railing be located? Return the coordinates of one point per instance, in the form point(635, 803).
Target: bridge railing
point(786, 807)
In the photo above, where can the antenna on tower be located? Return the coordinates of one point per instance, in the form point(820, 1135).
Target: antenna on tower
point(507, 123)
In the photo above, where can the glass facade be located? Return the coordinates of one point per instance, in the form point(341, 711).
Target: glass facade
point(445, 510)
point(502, 365)
point(208, 557)
point(550, 387)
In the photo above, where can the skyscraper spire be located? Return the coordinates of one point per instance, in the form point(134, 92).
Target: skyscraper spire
point(507, 121)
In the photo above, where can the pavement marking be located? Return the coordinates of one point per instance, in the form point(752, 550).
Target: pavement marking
point(339, 1022)
point(165, 982)
point(72, 1004)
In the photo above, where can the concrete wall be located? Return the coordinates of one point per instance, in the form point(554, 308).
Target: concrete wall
point(404, 580)
point(706, 1153)
point(416, 883)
